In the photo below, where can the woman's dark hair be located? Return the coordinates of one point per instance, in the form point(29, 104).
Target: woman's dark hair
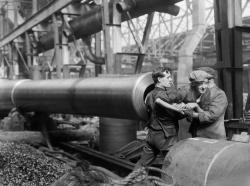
point(159, 72)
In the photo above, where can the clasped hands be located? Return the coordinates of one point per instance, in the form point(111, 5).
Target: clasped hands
point(188, 109)
point(188, 106)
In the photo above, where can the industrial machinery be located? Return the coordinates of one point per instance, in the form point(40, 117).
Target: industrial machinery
point(190, 162)
point(91, 22)
point(117, 99)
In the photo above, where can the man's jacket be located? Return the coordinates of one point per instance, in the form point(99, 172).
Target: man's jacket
point(211, 120)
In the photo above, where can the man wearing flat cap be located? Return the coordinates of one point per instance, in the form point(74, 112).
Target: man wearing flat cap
point(192, 97)
point(208, 118)
point(209, 70)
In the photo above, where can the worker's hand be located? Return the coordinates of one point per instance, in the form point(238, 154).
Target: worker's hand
point(190, 114)
point(199, 109)
point(180, 106)
point(192, 105)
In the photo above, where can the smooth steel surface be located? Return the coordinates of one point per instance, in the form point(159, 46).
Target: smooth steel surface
point(5, 95)
point(115, 133)
point(208, 162)
point(116, 97)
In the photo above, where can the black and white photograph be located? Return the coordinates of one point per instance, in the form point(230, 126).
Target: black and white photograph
point(124, 92)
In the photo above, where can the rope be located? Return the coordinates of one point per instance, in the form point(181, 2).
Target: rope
point(134, 177)
point(158, 181)
point(139, 176)
point(156, 170)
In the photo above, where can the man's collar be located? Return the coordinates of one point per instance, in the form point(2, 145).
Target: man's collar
point(158, 87)
point(163, 88)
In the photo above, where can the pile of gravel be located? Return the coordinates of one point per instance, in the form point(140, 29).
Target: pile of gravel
point(22, 164)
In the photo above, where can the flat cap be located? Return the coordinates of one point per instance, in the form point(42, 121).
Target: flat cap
point(209, 70)
point(199, 76)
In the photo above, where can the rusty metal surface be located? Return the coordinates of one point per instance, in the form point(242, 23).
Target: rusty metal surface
point(116, 97)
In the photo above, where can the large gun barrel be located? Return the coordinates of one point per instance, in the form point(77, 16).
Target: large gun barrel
point(115, 97)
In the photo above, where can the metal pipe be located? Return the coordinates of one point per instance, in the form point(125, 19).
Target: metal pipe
point(89, 54)
point(157, 5)
point(91, 22)
point(125, 6)
point(113, 96)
